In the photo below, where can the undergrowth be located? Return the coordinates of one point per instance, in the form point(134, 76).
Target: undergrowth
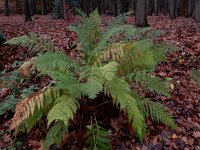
point(109, 62)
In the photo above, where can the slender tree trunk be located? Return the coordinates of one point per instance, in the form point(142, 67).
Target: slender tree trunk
point(141, 16)
point(172, 9)
point(32, 7)
point(189, 8)
point(165, 9)
point(182, 7)
point(44, 7)
point(156, 7)
point(150, 7)
point(6, 8)
point(197, 10)
point(58, 9)
point(124, 6)
point(27, 11)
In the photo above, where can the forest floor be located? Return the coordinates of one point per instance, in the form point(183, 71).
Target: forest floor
point(184, 104)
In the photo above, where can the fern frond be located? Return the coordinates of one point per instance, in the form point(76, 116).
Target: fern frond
point(109, 70)
point(88, 31)
point(26, 108)
point(152, 83)
point(92, 87)
point(119, 91)
point(55, 134)
point(50, 61)
point(64, 110)
point(113, 53)
point(26, 68)
point(154, 110)
point(33, 42)
point(115, 31)
point(97, 138)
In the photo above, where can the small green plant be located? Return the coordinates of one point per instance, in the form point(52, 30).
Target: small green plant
point(97, 138)
point(108, 63)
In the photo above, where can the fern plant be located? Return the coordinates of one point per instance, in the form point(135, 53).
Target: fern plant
point(108, 65)
point(97, 138)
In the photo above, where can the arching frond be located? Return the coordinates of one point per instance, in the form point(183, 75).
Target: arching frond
point(26, 108)
point(64, 110)
point(55, 134)
point(34, 42)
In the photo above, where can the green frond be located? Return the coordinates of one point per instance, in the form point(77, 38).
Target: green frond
point(157, 112)
point(119, 91)
point(50, 61)
point(92, 87)
point(109, 70)
point(64, 110)
point(55, 134)
point(35, 43)
point(97, 138)
point(88, 30)
point(115, 31)
point(152, 83)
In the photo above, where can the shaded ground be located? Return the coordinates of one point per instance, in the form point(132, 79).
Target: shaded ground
point(184, 104)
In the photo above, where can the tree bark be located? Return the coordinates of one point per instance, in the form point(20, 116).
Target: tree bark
point(189, 8)
point(197, 10)
point(124, 6)
point(150, 7)
point(58, 9)
point(32, 7)
point(6, 7)
point(165, 7)
point(27, 11)
point(156, 7)
point(182, 7)
point(172, 9)
point(44, 7)
point(141, 15)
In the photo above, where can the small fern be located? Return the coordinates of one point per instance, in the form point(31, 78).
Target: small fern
point(97, 138)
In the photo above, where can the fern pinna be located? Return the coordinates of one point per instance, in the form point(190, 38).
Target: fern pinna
point(111, 61)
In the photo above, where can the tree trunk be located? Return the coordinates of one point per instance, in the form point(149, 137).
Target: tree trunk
point(182, 7)
point(32, 7)
point(150, 7)
point(6, 7)
point(27, 11)
point(165, 7)
point(58, 9)
point(124, 6)
point(141, 16)
point(44, 7)
point(172, 9)
point(197, 10)
point(189, 8)
point(156, 7)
